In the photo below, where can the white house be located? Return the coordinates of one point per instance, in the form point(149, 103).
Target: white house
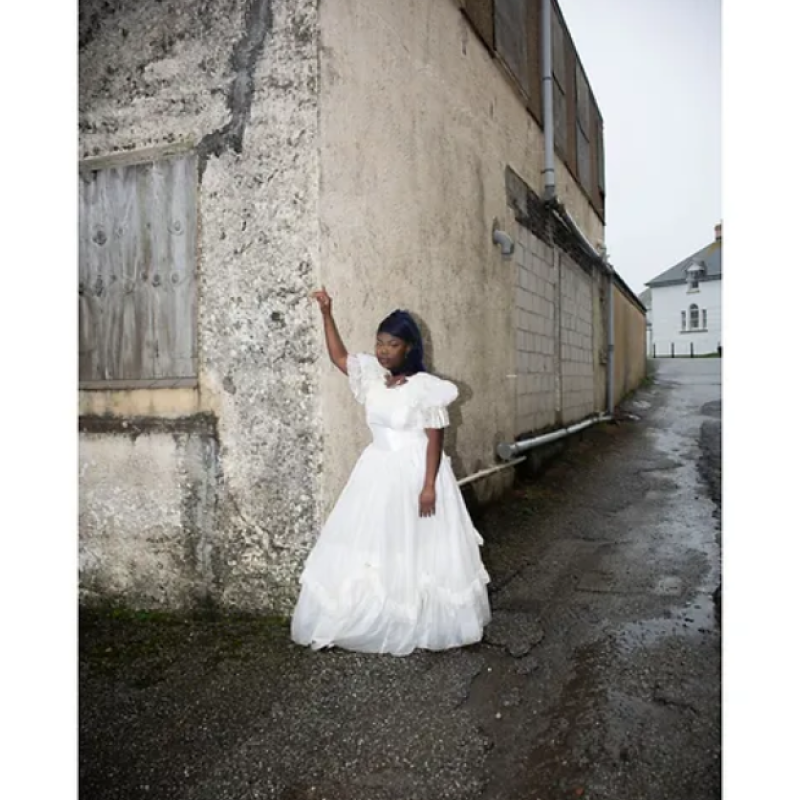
point(686, 304)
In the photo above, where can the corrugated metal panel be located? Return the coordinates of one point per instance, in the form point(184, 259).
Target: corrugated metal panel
point(137, 275)
point(481, 14)
point(511, 39)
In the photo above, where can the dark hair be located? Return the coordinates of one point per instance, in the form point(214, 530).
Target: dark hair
point(401, 324)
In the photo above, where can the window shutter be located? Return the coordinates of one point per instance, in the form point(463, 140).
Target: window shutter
point(534, 31)
point(584, 128)
point(511, 40)
point(571, 60)
point(137, 272)
point(598, 193)
point(481, 14)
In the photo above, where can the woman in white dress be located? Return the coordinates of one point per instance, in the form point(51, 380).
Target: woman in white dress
point(397, 565)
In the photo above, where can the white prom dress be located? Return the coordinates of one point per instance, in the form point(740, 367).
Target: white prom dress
point(380, 578)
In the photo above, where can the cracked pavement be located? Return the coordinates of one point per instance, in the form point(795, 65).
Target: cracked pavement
point(599, 676)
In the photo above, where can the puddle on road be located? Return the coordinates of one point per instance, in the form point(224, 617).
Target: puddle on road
point(694, 619)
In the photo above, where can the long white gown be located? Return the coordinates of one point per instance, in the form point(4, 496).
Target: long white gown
point(382, 579)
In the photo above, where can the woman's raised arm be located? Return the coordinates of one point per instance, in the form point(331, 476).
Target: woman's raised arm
point(336, 349)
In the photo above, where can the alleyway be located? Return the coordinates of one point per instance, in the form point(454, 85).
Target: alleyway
point(599, 676)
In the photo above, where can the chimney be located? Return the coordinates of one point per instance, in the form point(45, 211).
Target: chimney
point(718, 232)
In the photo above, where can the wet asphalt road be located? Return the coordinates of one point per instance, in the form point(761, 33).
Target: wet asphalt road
point(598, 678)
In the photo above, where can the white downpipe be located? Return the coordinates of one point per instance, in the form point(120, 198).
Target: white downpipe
point(549, 170)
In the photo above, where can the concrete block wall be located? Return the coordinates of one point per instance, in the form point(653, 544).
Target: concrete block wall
point(535, 320)
point(555, 320)
point(577, 341)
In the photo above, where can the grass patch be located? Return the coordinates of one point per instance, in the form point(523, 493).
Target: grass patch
point(139, 647)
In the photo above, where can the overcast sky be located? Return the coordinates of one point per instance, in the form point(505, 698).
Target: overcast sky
point(655, 69)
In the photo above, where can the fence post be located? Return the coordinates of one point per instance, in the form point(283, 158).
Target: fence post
point(672, 349)
point(691, 349)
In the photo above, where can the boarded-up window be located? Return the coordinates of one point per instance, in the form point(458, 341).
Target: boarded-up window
point(583, 130)
point(481, 14)
point(560, 113)
point(559, 48)
point(534, 34)
point(511, 39)
point(600, 158)
point(571, 154)
point(137, 273)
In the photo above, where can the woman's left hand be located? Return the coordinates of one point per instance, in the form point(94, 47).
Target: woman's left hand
point(427, 502)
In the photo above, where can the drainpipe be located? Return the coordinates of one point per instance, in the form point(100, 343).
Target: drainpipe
point(484, 473)
point(508, 450)
point(549, 171)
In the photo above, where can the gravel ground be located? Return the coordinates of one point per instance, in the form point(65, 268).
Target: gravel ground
point(599, 676)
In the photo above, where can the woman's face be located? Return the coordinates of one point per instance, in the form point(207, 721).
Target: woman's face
point(390, 351)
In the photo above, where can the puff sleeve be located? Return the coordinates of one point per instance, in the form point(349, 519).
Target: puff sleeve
point(363, 370)
point(433, 397)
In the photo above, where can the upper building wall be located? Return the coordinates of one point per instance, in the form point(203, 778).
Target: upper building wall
point(511, 30)
point(418, 125)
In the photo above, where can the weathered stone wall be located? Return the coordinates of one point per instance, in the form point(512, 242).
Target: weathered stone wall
point(238, 81)
point(146, 510)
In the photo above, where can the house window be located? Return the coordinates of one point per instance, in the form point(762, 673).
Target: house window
point(693, 274)
point(694, 317)
point(705, 319)
point(137, 287)
point(683, 320)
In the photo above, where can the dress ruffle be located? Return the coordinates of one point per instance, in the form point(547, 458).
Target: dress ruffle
point(363, 370)
point(429, 396)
